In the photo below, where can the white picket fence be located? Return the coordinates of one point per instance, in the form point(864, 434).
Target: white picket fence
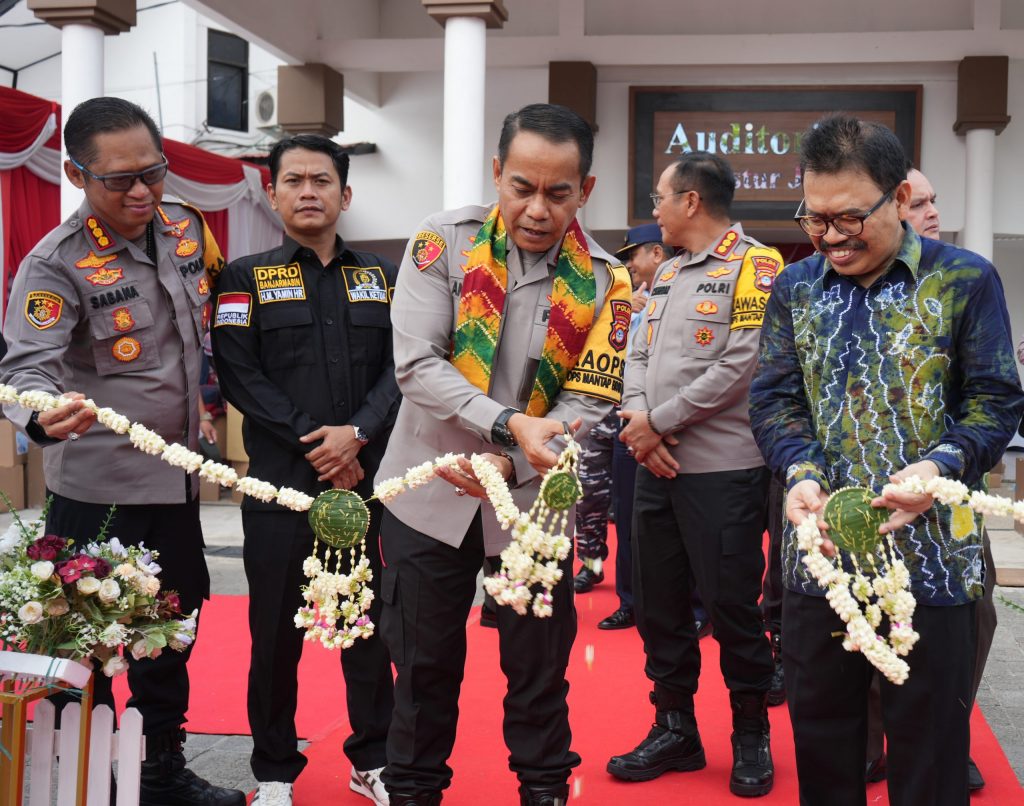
point(47, 744)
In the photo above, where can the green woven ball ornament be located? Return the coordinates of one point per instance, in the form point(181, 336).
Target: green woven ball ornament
point(561, 490)
point(853, 522)
point(339, 518)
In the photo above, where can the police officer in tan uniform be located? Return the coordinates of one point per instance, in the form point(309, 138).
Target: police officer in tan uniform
point(110, 306)
point(701, 492)
point(434, 538)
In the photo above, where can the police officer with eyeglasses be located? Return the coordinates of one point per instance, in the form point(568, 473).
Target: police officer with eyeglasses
point(109, 306)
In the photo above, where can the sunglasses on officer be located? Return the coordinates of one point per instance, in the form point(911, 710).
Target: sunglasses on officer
point(121, 183)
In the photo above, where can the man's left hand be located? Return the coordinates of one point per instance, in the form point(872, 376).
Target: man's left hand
point(463, 477)
point(906, 507)
point(338, 449)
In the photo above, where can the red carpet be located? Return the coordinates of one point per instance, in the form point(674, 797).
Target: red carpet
point(609, 712)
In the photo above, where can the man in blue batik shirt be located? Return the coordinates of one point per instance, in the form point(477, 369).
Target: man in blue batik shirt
point(882, 356)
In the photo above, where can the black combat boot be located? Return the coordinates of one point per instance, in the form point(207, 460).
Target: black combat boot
point(777, 690)
point(414, 799)
point(166, 781)
point(672, 744)
point(752, 770)
point(543, 795)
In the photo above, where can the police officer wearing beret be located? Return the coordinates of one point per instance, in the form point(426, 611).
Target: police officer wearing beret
point(701, 491)
point(302, 343)
point(109, 306)
point(502, 273)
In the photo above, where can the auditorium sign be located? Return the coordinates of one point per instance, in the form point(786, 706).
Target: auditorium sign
point(758, 130)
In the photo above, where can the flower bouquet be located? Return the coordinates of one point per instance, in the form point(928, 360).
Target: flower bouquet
point(60, 600)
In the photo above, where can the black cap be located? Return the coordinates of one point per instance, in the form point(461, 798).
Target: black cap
point(637, 236)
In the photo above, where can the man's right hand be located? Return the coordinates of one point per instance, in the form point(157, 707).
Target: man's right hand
point(805, 498)
point(60, 422)
point(533, 434)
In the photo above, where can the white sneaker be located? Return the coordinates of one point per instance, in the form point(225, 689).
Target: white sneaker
point(368, 784)
point(273, 793)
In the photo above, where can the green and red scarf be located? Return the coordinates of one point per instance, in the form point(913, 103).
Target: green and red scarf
point(482, 306)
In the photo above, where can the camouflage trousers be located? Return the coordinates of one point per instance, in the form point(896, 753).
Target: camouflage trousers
point(596, 479)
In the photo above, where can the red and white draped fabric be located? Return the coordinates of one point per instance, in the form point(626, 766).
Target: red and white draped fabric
point(229, 192)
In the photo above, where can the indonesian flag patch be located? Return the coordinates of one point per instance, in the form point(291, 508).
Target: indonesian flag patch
point(233, 309)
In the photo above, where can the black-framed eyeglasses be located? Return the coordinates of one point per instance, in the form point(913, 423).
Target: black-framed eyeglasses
point(657, 198)
point(121, 183)
point(850, 224)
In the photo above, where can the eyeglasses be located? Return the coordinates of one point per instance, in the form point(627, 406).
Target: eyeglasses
point(121, 183)
point(657, 198)
point(850, 224)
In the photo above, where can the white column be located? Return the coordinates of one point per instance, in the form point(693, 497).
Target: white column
point(81, 79)
point(980, 191)
point(465, 72)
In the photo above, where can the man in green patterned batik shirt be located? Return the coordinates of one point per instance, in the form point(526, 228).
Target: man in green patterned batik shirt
point(882, 356)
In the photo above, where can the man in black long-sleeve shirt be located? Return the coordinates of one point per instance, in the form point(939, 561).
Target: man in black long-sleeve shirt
point(302, 343)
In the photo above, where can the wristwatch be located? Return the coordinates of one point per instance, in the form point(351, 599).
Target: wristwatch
point(500, 432)
point(361, 437)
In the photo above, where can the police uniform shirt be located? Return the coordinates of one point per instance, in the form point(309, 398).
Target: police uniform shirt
point(90, 312)
point(443, 412)
point(299, 345)
point(692, 359)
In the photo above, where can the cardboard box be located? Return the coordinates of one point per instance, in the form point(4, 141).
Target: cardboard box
point(13, 445)
point(242, 469)
point(35, 483)
point(12, 482)
point(234, 449)
point(209, 491)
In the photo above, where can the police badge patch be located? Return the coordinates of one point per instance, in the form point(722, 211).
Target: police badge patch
point(426, 248)
point(765, 269)
point(126, 349)
point(621, 313)
point(43, 309)
point(123, 320)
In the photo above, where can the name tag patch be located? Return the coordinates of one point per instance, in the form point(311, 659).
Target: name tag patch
point(365, 285)
point(233, 309)
point(279, 283)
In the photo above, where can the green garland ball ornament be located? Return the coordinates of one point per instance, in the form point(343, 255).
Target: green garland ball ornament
point(339, 518)
point(561, 490)
point(853, 523)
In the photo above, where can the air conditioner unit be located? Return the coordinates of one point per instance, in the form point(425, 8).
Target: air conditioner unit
point(265, 109)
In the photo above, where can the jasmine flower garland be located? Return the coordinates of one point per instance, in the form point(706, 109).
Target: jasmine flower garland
point(863, 597)
point(337, 603)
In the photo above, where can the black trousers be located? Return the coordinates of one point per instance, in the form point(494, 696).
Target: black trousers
point(926, 718)
point(710, 524)
point(276, 543)
point(160, 686)
point(985, 619)
point(623, 484)
point(428, 591)
point(771, 595)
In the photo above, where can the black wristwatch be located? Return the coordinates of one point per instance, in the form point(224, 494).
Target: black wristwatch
point(360, 435)
point(500, 433)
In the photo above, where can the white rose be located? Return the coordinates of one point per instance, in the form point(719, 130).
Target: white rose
point(57, 607)
point(139, 649)
point(31, 613)
point(114, 665)
point(151, 586)
point(109, 590)
point(125, 570)
point(42, 570)
point(88, 585)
